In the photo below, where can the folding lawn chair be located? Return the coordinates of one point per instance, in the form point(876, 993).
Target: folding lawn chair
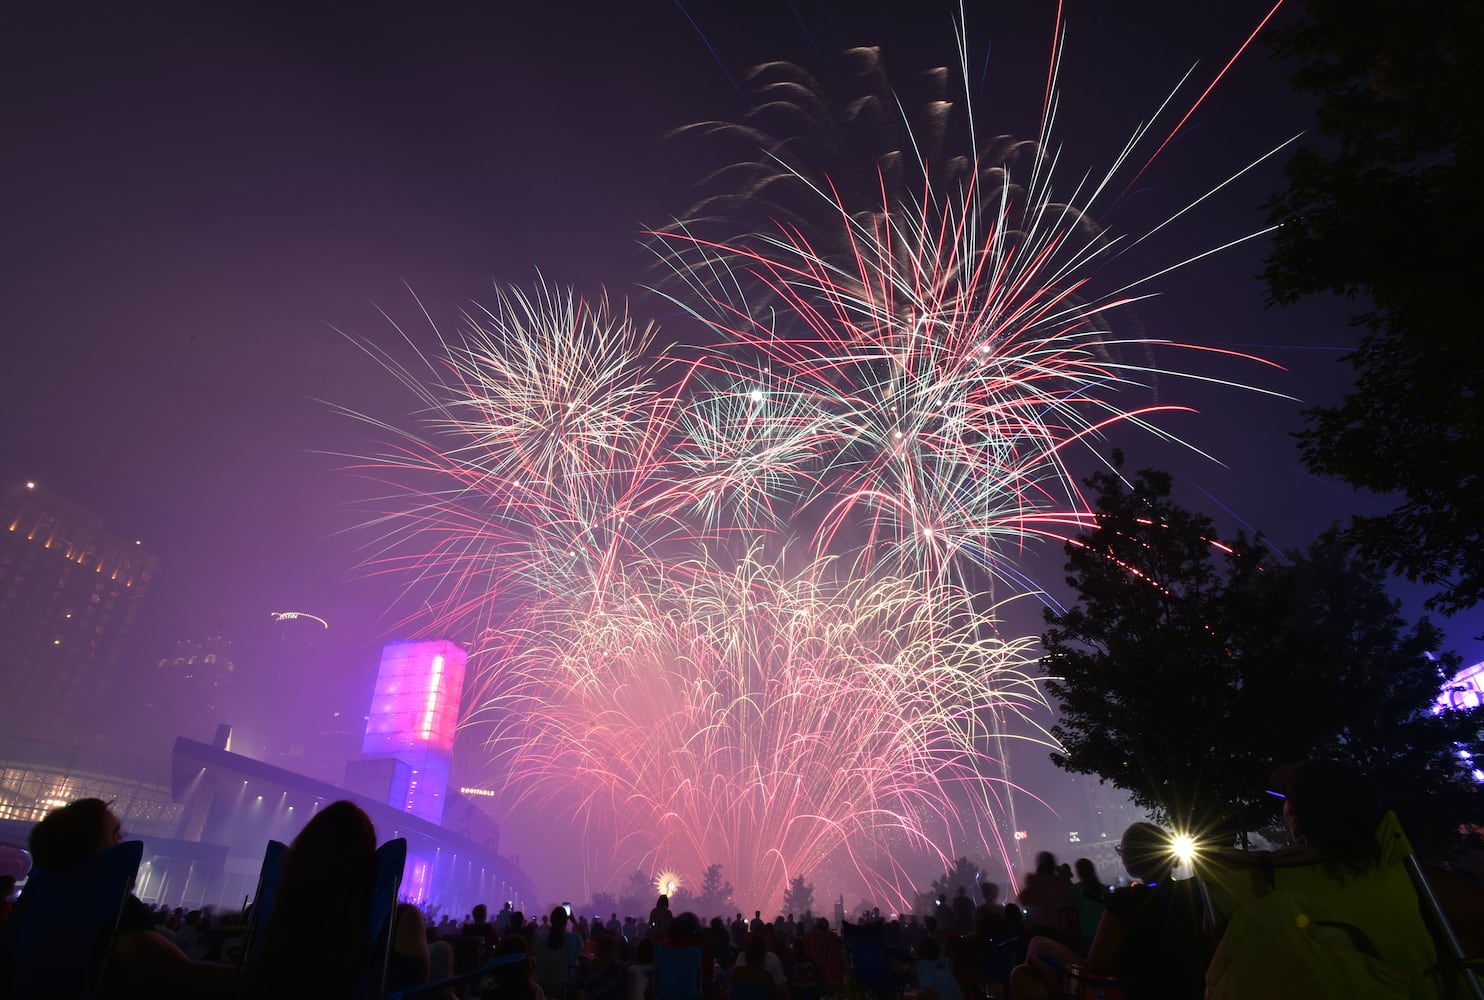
point(59, 938)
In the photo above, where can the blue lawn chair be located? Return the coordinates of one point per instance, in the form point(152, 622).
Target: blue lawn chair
point(865, 946)
point(460, 981)
point(391, 858)
point(59, 938)
point(270, 877)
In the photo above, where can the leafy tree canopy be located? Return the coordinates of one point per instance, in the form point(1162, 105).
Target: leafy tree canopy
point(1190, 668)
point(964, 873)
point(637, 895)
point(715, 893)
point(798, 898)
point(1388, 213)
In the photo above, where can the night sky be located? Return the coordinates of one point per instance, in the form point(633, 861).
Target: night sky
point(200, 198)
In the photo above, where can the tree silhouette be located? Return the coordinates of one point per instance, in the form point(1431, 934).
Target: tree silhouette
point(798, 897)
point(963, 873)
point(1190, 667)
point(715, 894)
point(603, 904)
point(1387, 214)
point(637, 896)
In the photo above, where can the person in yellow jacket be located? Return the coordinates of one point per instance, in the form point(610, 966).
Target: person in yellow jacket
point(1336, 914)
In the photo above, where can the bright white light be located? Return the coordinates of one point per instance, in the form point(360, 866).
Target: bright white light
point(1184, 847)
point(757, 395)
point(435, 678)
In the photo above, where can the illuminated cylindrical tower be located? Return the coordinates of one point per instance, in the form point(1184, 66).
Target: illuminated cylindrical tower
point(413, 718)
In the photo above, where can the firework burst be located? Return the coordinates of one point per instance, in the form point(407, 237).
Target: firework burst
point(764, 720)
point(740, 605)
point(943, 344)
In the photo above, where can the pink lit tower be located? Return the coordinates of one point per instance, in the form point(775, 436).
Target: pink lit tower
point(410, 730)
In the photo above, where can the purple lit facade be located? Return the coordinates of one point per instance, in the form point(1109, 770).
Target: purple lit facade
point(1465, 692)
point(410, 731)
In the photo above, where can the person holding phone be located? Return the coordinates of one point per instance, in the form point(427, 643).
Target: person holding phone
point(556, 954)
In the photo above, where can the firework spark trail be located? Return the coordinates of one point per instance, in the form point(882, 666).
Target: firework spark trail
point(739, 605)
point(546, 435)
point(951, 369)
point(762, 721)
point(736, 715)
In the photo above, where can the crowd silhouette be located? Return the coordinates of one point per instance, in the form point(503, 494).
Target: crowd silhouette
point(1338, 913)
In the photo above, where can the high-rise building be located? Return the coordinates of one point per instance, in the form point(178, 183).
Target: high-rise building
point(193, 682)
point(69, 592)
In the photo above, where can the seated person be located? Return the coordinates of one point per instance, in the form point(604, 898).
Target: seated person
point(751, 978)
point(1150, 934)
point(640, 977)
point(1047, 899)
point(1345, 866)
point(318, 942)
point(989, 916)
point(605, 977)
point(1088, 896)
point(515, 981)
point(145, 960)
point(410, 963)
point(481, 929)
point(555, 954)
point(803, 972)
point(934, 975)
point(680, 960)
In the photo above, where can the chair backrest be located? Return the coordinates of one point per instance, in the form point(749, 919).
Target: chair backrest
point(59, 937)
point(270, 877)
point(865, 944)
point(1001, 959)
point(458, 982)
point(677, 971)
point(1387, 908)
point(1463, 969)
point(391, 858)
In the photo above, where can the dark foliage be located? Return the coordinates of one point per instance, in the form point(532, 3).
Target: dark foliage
point(715, 894)
point(1387, 212)
point(637, 895)
point(799, 896)
point(1190, 668)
